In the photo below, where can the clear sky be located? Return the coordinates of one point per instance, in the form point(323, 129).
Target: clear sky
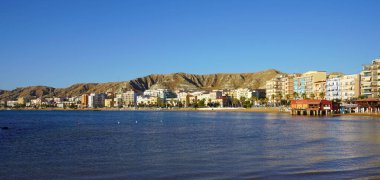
point(61, 42)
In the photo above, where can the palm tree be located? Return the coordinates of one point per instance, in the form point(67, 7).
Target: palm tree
point(254, 99)
point(322, 95)
point(295, 95)
point(312, 95)
point(287, 97)
point(279, 96)
point(264, 101)
point(303, 95)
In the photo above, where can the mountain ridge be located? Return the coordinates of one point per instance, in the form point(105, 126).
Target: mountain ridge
point(173, 81)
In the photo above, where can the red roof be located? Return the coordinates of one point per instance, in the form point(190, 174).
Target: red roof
point(368, 100)
point(306, 101)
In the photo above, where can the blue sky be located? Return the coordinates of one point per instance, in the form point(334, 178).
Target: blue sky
point(62, 42)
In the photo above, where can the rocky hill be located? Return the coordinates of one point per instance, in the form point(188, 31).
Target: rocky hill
point(154, 81)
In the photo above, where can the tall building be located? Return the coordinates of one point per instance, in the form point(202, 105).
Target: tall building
point(96, 100)
point(282, 85)
point(288, 85)
point(350, 87)
point(333, 88)
point(84, 100)
point(273, 88)
point(309, 83)
point(370, 79)
point(129, 98)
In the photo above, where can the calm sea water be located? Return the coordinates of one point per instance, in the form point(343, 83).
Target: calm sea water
point(186, 145)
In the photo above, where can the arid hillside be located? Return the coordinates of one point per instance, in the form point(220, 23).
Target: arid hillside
point(155, 81)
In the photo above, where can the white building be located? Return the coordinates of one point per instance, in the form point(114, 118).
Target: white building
point(96, 100)
point(146, 100)
point(118, 100)
point(350, 87)
point(11, 103)
point(246, 93)
point(333, 88)
point(36, 102)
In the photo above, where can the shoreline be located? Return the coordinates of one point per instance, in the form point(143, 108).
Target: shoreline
point(245, 110)
point(261, 109)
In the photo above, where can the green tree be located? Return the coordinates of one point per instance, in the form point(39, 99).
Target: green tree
point(322, 95)
point(235, 102)
point(272, 97)
point(312, 95)
point(160, 102)
point(304, 96)
point(279, 96)
point(295, 95)
point(201, 103)
point(287, 97)
point(242, 101)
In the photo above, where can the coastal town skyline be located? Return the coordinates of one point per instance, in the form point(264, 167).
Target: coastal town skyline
point(170, 73)
point(58, 44)
point(189, 89)
point(267, 88)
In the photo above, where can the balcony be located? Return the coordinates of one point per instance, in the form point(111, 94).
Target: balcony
point(366, 87)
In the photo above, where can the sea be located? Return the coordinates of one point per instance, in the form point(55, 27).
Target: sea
point(186, 145)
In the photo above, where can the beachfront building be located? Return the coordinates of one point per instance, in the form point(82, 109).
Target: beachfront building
point(333, 88)
point(161, 93)
point(129, 98)
point(230, 93)
point(84, 100)
point(369, 105)
point(350, 87)
point(309, 83)
point(202, 96)
point(3, 103)
point(243, 93)
point(22, 100)
point(370, 79)
point(11, 103)
point(259, 93)
point(146, 100)
point(118, 101)
point(274, 88)
point(319, 88)
point(313, 107)
point(36, 102)
point(181, 96)
point(108, 103)
point(96, 100)
point(288, 86)
point(280, 87)
point(216, 94)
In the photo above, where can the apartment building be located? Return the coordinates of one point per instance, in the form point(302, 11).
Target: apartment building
point(273, 88)
point(96, 100)
point(370, 79)
point(130, 98)
point(84, 100)
point(310, 83)
point(350, 87)
point(281, 85)
point(243, 92)
point(109, 103)
point(333, 88)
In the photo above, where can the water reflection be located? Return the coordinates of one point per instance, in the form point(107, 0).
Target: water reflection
point(170, 145)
